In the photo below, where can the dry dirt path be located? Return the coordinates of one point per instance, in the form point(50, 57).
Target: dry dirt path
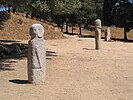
point(75, 71)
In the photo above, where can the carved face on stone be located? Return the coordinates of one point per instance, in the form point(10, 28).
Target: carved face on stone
point(36, 31)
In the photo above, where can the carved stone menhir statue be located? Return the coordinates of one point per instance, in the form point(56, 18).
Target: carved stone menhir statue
point(36, 55)
point(107, 35)
point(98, 33)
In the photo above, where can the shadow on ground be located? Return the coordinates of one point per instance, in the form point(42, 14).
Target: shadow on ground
point(18, 81)
point(5, 65)
point(50, 53)
point(71, 33)
point(122, 40)
point(4, 16)
point(88, 49)
point(11, 51)
point(8, 41)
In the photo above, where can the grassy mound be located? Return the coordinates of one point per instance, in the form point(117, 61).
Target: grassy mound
point(17, 28)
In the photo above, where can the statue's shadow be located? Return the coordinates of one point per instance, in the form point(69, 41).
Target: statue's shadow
point(10, 52)
point(18, 81)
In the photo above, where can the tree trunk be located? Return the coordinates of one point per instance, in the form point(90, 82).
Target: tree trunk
point(72, 27)
point(66, 27)
point(58, 24)
point(62, 25)
point(14, 9)
point(125, 15)
point(125, 34)
point(80, 29)
point(32, 15)
point(27, 14)
point(9, 8)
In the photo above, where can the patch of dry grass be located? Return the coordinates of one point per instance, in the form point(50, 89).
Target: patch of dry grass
point(17, 28)
point(119, 33)
point(116, 32)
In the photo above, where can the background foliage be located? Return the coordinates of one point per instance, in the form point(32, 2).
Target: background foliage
point(111, 12)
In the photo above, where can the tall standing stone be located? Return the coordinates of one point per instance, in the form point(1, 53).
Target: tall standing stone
point(36, 55)
point(107, 34)
point(98, 33)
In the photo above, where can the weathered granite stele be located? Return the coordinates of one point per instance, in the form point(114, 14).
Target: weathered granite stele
point(107, 34)
point(36, 55)
point(98, 33)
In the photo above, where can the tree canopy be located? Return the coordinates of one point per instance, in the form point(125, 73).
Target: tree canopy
point(112, 12)
point(119, 13)
point(87, 10)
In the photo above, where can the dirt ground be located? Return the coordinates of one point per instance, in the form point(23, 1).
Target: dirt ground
point(75, 71)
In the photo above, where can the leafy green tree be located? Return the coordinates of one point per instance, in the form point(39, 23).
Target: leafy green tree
point(40, 8)
point(119, 13)
point(98, 7)
point(60, 11)
point(108, 12)
point(88, 11)
point(124, 16)
point(64, 10)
